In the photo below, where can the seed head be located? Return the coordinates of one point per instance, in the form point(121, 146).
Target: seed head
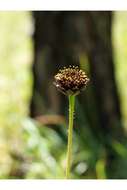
point(71, 81)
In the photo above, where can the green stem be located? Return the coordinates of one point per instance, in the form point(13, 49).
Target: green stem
point(70, 134)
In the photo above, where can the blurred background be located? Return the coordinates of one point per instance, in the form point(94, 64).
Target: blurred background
point(34, 115)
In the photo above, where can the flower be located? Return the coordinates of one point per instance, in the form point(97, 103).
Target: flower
point(71, 81)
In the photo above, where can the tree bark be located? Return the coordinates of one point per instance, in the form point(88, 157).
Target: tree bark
point(102, 69)
point(52, 51)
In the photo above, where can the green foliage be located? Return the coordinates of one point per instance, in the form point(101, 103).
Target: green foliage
point(46, 150)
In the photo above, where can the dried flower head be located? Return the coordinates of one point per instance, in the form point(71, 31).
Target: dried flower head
point(71, 81)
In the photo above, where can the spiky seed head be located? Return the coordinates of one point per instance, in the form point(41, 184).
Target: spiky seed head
point(71, 81)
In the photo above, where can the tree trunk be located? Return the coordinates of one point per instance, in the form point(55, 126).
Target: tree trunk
point(51, 52)
point(102, 70)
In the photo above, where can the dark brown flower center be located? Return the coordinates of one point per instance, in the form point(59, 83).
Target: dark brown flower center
point(71, 80)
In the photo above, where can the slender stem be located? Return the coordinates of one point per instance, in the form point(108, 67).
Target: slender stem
point(70, 134)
